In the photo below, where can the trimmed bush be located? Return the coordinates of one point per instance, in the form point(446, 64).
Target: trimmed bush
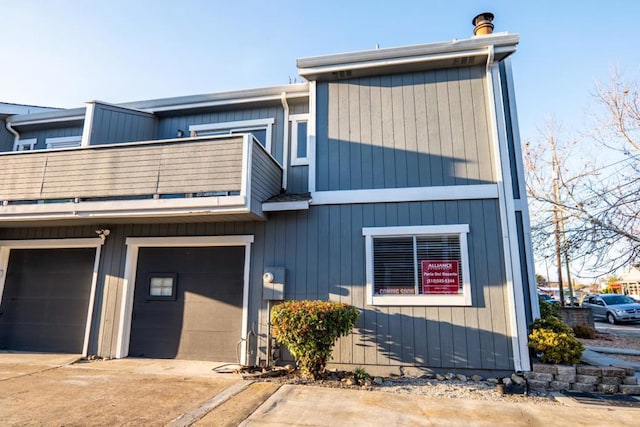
point(554, 342)
point(548, 309)
point(309, 329)
point(583, 331)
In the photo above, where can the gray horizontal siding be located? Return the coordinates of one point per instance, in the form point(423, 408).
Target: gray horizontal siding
point(199, 166)
point(113, 125)
point(323, 252)
point(266, 177)
point(405, 130)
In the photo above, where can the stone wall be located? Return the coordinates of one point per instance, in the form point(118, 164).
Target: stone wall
point(574, 316)
point(583, 378)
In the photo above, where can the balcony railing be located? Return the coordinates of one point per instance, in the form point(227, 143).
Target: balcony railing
point(230, 175)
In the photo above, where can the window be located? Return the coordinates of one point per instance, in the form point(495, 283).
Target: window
point(422, 265)
point(162, 286)
point(63, 142)
point(299, 150)
point(260, 128)
point(25, 144)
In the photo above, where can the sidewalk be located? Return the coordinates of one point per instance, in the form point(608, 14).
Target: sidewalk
point(320, 406)
point(597, 356)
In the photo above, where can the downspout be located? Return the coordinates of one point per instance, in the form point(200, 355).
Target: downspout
point(285, 145)
point(15, 133)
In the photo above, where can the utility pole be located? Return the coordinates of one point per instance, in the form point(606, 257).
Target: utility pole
point(565, 246)
point(556, 221)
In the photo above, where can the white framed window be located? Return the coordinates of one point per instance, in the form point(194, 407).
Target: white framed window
point(299, 145)
point(260, 128)
point(63, 142)
point(25, 144)
point(417, 265)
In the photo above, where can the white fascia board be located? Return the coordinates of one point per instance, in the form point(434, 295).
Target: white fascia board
point(495, 39)
point(151, 208)
point(72, 118)
point(299, 90)
point(409, 194)
point(304, 72)
point(285, 206)
point(89, 242)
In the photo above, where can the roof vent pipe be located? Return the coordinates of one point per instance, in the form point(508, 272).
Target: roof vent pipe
point(483, 24)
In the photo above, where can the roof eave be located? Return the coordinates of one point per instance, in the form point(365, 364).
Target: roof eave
point(408, 58)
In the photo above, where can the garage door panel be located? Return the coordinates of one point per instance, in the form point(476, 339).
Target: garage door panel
point(46, 299)
point(204, 321)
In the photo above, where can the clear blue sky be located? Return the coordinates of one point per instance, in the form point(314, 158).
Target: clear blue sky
point(64, 53)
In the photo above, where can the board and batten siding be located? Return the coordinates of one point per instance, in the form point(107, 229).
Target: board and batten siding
point(51, 131)
point(266, 180)
point(323, 252)
point(147, 169)
point(169, 125)
point(404, 130)
point(6, 138)
point(113, 124)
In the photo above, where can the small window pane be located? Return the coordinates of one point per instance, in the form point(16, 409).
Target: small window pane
point(161, 286)
point(302, 140)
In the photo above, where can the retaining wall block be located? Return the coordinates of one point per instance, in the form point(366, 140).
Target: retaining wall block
point(543, 377)
point(583, 387)
point(633, 390)
point(588, 370)
point(565, 370)
point(613, 372)
point(611, 380)
point(587, 379)
point(538, 385)
point(568, 378)
point(608, 388)
point(560, 385)
point(544, 369)
point(630, 381)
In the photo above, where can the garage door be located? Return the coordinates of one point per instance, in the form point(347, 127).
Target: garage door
point(188, 303)
point(45, 299)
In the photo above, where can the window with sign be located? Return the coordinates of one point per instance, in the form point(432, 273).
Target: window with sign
point(424, 265)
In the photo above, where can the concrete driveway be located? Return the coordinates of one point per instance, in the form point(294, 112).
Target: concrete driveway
point(48, 389)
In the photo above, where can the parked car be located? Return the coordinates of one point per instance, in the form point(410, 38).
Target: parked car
point(613, 308)
point(548, 298)
point(568, 301)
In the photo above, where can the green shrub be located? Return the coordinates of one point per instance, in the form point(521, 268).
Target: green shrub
point(360, 375)
point(309, 329)
point(554, 342)
point(548, 309)
point(583, 331)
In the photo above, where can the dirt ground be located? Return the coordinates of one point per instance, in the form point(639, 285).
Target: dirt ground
point(75, 395)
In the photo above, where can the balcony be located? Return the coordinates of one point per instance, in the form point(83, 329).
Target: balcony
point(212, 178)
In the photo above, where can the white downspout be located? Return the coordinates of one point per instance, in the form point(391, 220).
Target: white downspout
point(15, 133)
point(285, 145)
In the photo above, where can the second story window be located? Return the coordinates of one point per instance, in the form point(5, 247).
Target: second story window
point(260, 128)
point(299, 147)
point(25, 144)
point(63, 142)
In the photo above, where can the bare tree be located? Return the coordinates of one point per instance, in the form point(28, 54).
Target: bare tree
point(598, 197)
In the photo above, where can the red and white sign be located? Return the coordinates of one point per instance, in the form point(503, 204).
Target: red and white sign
point(440, 277)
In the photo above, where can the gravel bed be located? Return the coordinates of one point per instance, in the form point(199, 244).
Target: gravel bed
point(428, 386)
